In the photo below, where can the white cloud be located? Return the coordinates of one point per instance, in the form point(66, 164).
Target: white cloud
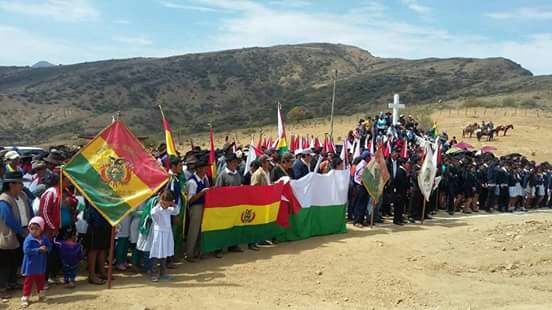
point(60, 10)
point(415, 6)
point(122, 22)
point(372, 27)
point(27, 48)
point(526, 13)
point(133, 40)
point(174, 5)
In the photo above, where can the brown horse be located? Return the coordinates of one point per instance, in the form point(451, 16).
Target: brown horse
point(485, 132)
point(503, 128)
point(469, 130)
point(510, 126)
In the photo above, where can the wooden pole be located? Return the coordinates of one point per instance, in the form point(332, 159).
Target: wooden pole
point(333, 104)
point(372, 215)
point(111, 252)
point(423, 211)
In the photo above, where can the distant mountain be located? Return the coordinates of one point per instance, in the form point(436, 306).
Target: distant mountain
point(235, 88)
point(42, 64)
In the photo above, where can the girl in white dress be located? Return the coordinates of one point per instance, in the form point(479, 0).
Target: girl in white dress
point(162, 241)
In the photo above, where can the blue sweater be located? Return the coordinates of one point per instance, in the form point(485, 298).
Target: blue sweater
point(34, 261)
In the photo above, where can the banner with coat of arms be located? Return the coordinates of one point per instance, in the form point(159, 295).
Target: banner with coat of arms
point(115, 173)
point(240, 214)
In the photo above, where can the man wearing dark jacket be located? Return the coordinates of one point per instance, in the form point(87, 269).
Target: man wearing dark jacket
point(301, 166)
point(397, 187)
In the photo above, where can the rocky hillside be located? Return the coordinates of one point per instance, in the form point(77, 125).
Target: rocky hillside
point(235, 88)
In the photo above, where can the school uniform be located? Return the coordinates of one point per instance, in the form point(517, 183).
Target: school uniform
point(195, 185)
point(162, 245)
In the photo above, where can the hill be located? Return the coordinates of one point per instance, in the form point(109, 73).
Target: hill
point(42, 64)
point(236, 88)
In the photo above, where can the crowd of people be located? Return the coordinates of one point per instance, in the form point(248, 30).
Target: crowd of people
point(46, 230)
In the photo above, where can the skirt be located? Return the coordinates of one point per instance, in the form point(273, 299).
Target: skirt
point(98, 238)
point(162, 244)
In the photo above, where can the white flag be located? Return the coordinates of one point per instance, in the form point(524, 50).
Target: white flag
point(426, 176)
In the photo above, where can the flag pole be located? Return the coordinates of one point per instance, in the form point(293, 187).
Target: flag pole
point(161, 109)
point(372, 215)
point(333, 104)
point(423, 211)
point(110, 259)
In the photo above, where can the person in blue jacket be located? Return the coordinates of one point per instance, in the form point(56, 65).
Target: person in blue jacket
point(35, 252)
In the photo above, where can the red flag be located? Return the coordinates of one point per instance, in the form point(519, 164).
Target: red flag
point(306, 143)
point(289, 205)
point(387, 149)
point(404, 151)
point(316, 143)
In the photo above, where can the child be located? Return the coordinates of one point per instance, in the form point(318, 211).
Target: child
point(35, 250)
point(121, 246)
point(162, 241)
point(70, 252)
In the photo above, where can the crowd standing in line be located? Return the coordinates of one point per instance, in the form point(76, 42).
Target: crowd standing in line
point(46, 231)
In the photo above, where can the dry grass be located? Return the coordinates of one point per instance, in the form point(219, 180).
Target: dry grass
point(531, 136)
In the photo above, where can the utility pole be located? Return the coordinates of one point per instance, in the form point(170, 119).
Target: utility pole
point(333, 104)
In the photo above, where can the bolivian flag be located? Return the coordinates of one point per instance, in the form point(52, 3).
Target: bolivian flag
point(171, 147)
point(281, 146)
point(115, 173)
point(240, 214)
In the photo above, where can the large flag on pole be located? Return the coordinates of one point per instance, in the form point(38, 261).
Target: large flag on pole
point(115, 173)
point(281, 146)
point(171, 147)
point(252, 154)
point(375, 175)
point(212, 172)
point(426, 177)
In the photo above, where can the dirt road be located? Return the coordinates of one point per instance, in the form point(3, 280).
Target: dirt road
point(501, 261)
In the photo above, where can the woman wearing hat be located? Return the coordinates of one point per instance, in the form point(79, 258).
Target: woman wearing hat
point(14, 210)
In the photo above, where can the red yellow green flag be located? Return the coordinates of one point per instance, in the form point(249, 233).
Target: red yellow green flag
point(171, 147)
point(375, 175)
point(115, 173)
point(281, 146)
point(240, 214)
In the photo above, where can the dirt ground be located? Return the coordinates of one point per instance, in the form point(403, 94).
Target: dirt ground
point(499, 261)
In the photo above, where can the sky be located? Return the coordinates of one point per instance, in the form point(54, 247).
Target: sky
point(73, 31)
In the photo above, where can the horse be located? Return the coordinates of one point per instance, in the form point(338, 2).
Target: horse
point(485, 132)
point(503, 128)
point(510, 126)
point(470, 129)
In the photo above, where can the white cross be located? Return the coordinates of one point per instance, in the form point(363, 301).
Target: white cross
point(396, 106)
